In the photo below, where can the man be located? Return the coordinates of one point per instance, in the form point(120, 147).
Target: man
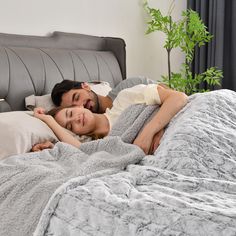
point(74, 93)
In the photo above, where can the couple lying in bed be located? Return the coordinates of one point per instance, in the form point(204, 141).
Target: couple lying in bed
point(83, 112)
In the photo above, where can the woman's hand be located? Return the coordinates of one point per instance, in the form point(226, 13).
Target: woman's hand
point(41, 146)
point(40, 113)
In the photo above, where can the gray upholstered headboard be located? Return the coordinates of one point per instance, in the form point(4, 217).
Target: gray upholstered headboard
point(34, 64)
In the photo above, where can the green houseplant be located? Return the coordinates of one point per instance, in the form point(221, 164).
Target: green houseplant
point(185, 34)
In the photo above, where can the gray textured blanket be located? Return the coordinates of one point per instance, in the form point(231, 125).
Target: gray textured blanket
point(187, 188)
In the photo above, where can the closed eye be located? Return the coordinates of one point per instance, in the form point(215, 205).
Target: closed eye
point(75, 97)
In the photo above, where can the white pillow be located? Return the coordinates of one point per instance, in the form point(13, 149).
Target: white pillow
point(102, 88)
point(20, 131)
point(45, 101)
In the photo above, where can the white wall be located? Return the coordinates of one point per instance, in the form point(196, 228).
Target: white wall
point(116, 18)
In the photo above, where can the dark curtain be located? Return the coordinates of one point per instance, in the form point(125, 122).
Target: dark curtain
point(219, 16)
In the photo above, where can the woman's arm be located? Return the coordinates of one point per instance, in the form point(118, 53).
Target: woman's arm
point(59, 131)
point(171, 103)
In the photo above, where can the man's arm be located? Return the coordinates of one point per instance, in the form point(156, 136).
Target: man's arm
point(171, 103)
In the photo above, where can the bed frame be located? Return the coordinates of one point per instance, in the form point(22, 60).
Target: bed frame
point(34, 64)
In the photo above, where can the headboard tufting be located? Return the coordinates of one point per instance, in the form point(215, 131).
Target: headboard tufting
point(33, 64)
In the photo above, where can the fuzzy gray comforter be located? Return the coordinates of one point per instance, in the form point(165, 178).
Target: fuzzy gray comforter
point(108, 187)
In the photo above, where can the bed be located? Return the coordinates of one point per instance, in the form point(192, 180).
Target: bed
point(109, 186)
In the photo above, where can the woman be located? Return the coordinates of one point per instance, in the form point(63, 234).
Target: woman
point(81, 121)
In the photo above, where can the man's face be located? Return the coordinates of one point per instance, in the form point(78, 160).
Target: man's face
point(81, 97)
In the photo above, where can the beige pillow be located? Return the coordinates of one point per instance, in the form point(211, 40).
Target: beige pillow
point(20, 131)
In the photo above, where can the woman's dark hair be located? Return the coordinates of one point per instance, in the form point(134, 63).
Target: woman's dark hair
point(63, 87)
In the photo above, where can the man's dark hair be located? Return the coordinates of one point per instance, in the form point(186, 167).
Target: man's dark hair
point(63, 87)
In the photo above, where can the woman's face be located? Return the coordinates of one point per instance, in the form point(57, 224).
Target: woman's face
point(79, 120)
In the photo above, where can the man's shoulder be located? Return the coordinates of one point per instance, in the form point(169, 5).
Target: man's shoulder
point(128, 83)
point(132, 81)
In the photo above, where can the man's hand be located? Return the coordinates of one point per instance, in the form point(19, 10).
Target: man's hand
point(147, 141)
point(41, 146)
point(144, 139)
